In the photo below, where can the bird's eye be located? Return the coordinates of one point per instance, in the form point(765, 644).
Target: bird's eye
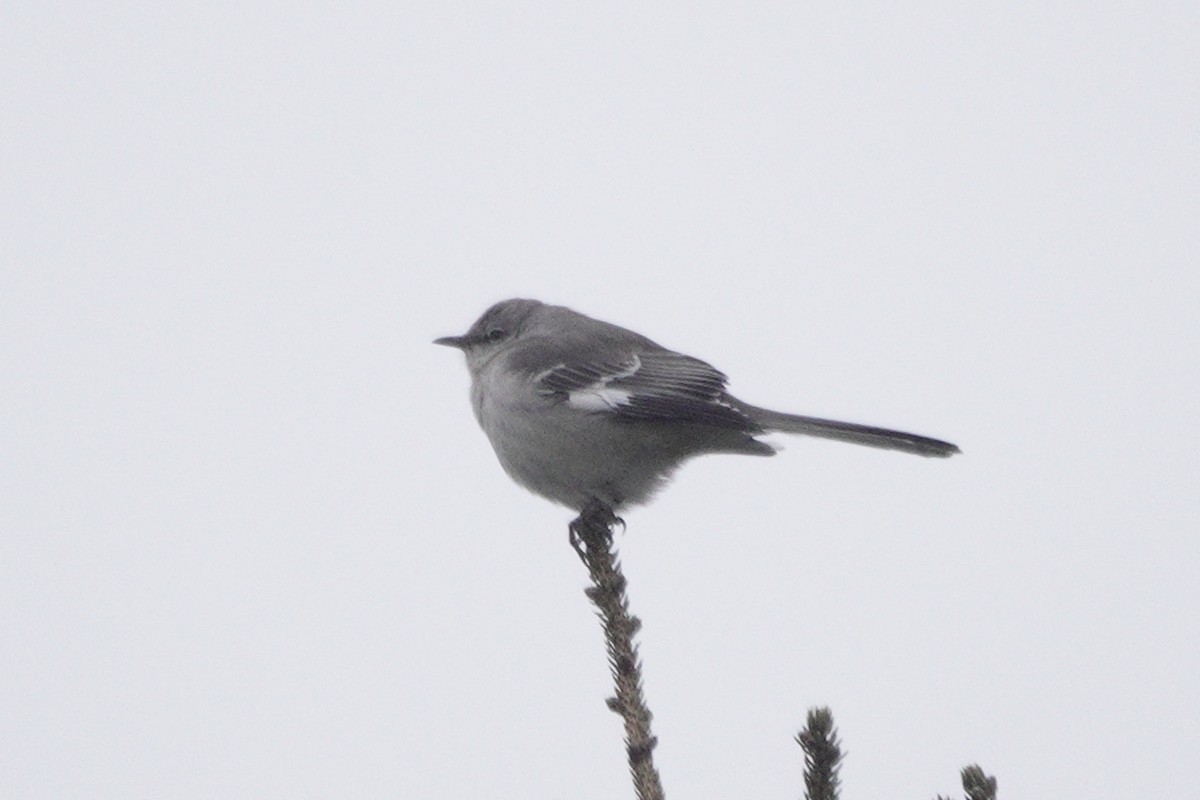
point(495, 335)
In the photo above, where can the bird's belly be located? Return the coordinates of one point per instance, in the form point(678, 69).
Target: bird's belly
point(572, 458)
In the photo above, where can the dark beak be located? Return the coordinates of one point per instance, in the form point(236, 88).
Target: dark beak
point(453, 341)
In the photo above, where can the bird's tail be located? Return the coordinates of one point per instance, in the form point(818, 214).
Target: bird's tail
point(849, 432)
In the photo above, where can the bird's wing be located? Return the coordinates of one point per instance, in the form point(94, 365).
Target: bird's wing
point(646, 384)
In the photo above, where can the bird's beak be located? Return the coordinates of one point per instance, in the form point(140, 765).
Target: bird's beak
point(453, 341)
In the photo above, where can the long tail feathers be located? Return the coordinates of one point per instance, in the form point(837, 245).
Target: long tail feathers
point(850, 432)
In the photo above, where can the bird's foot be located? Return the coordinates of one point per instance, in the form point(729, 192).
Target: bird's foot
point(593, 528)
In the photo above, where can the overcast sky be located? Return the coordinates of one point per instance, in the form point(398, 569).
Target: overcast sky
point(253, 544)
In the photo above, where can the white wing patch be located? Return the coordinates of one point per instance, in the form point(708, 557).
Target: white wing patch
point(599, 396)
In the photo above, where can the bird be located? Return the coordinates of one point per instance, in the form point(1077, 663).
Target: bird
point(588, 414)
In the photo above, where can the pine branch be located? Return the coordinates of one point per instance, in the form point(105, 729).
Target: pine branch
point(978, 784)
point(591, 536)
point(822, 755)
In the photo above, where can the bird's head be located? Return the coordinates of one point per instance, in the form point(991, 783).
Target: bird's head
point(499, 325)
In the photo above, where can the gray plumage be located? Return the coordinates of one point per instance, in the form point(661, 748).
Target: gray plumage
point(580, 411)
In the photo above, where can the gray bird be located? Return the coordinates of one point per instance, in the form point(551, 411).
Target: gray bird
point(582, 412)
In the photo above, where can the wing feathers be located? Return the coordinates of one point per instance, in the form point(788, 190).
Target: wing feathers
point(651, 385)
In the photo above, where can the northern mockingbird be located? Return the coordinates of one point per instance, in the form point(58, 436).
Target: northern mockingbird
point(584, 412)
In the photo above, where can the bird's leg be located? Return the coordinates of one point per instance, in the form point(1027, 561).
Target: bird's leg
point(593, 528)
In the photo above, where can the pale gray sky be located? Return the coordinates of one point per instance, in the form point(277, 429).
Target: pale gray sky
point(252, 543)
